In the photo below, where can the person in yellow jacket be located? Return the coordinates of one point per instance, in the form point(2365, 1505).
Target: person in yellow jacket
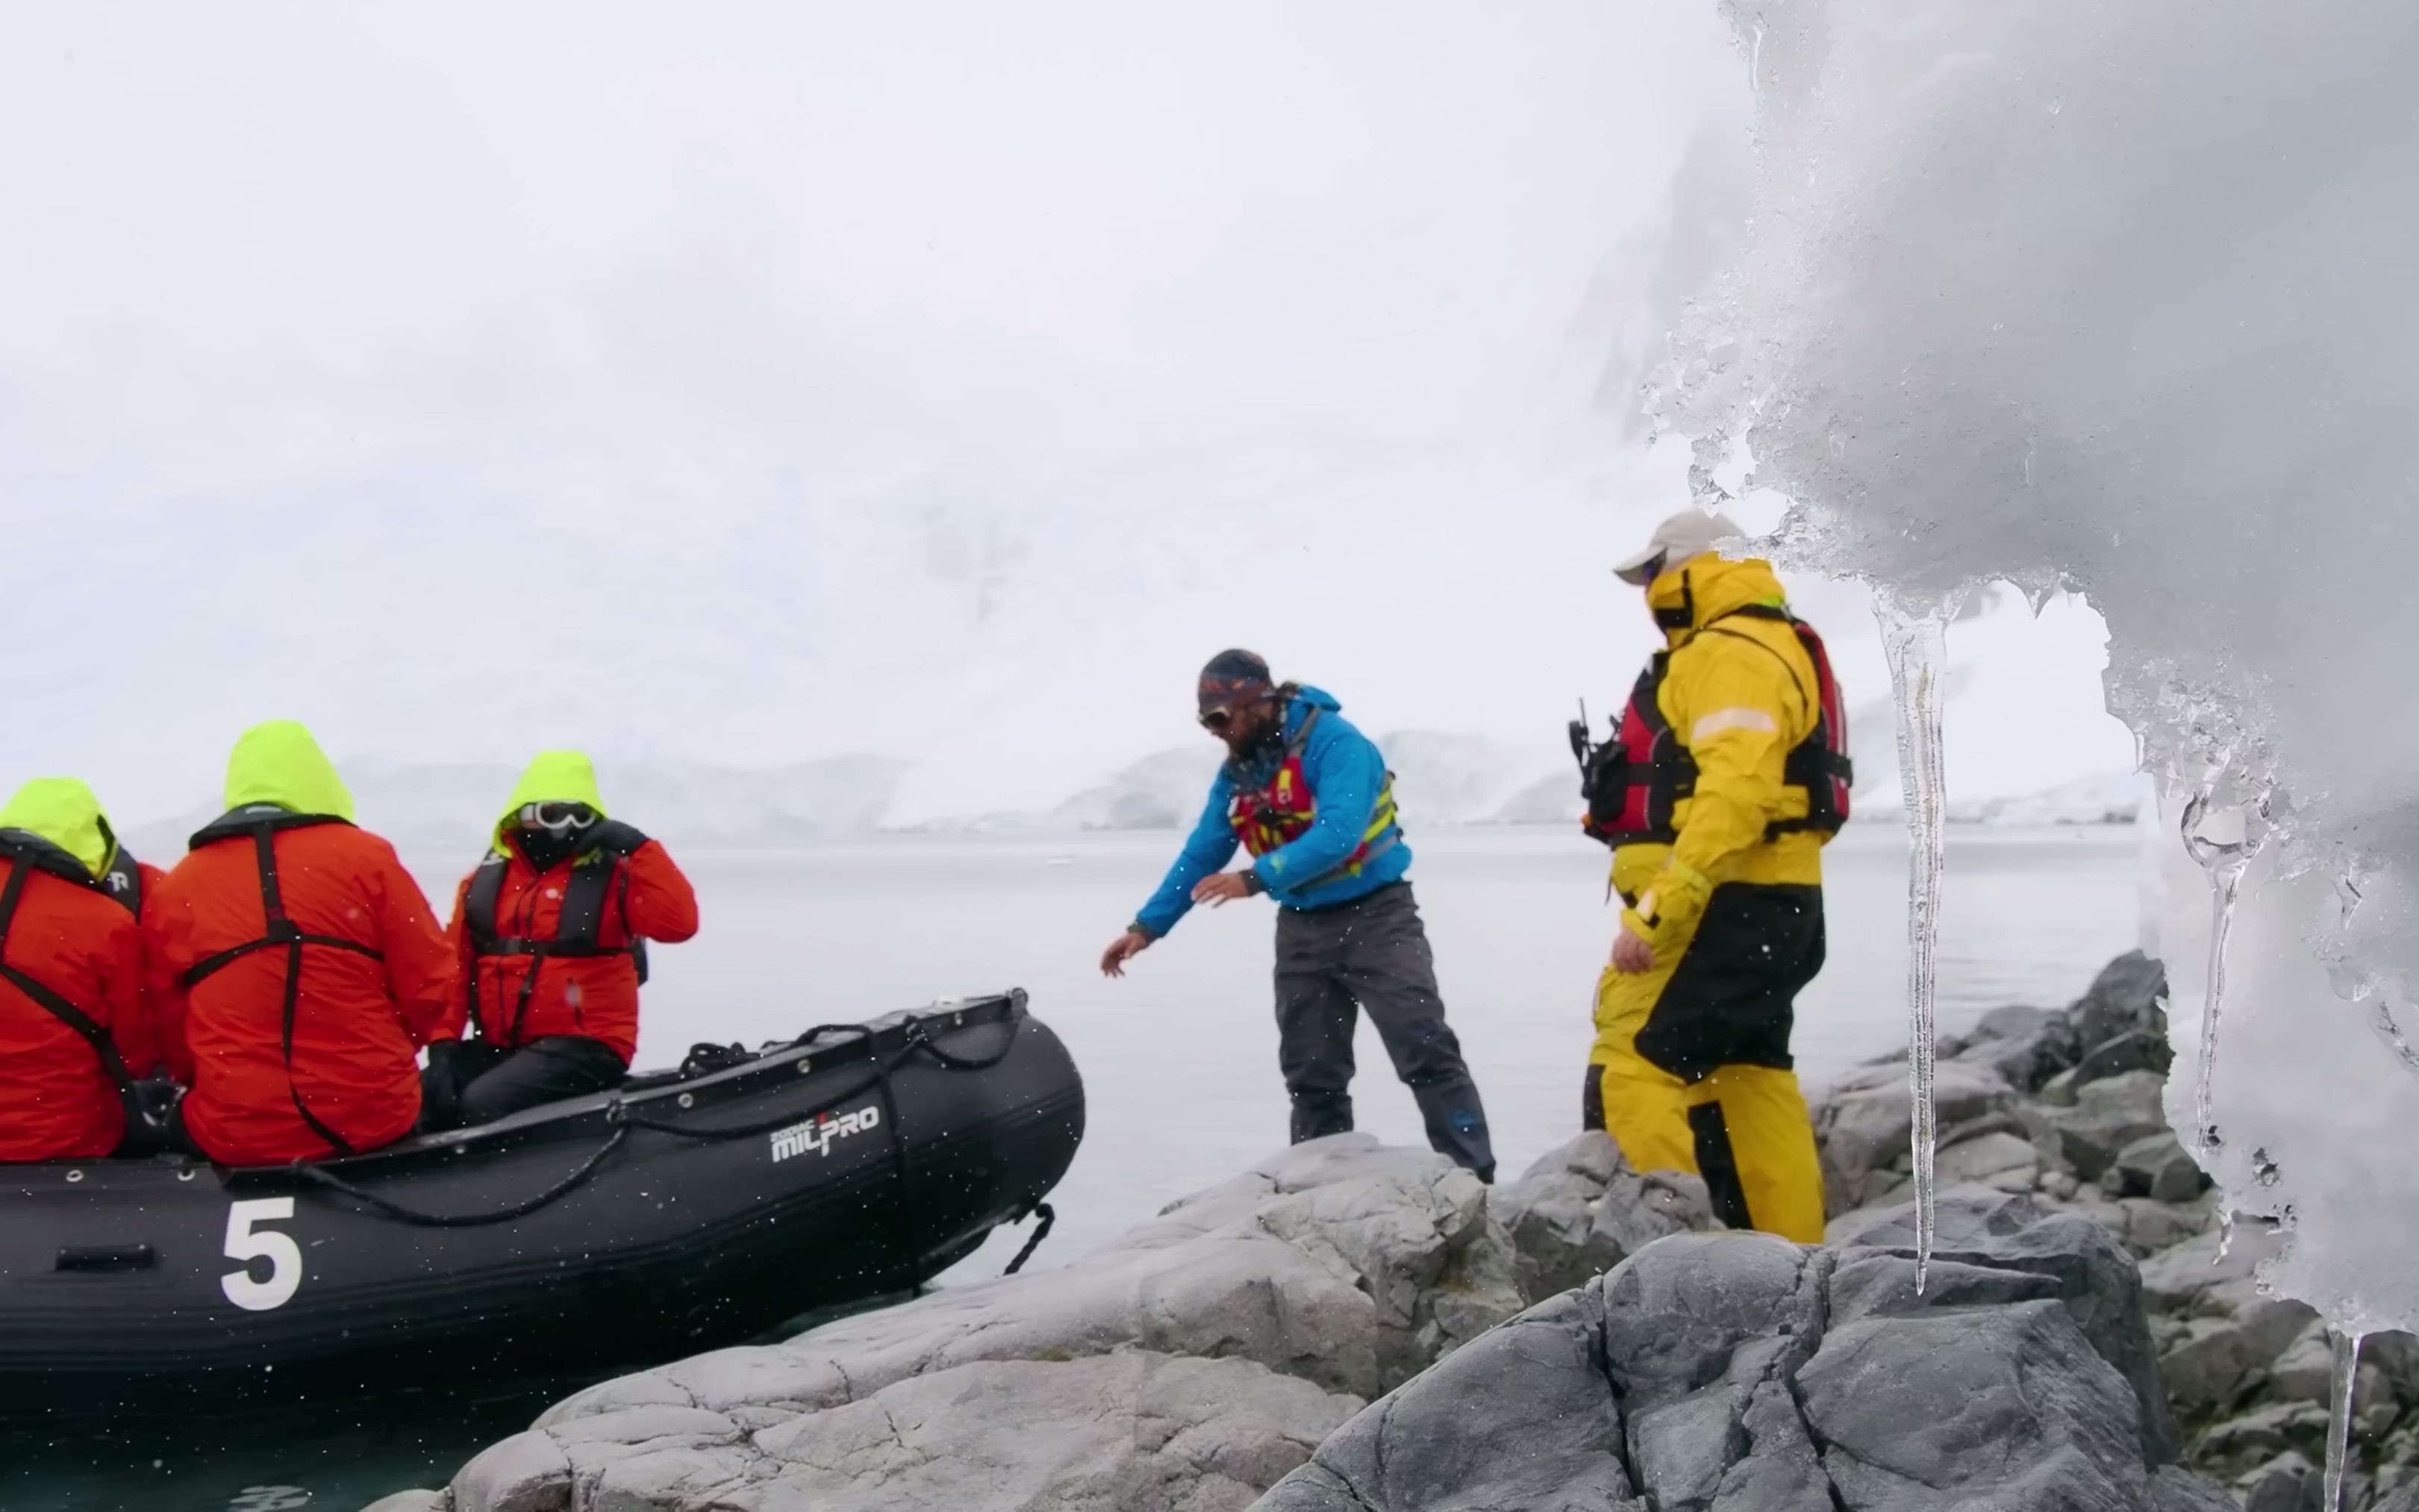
point(1728, 774)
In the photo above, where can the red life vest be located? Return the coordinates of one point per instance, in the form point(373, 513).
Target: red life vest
point(1633, 784)
point(1282, 810)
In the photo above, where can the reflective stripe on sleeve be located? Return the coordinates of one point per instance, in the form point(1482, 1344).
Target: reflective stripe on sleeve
point(1732, 718)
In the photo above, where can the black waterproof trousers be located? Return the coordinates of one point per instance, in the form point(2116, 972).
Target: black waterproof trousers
point(475, 1083)
point(1371, 954)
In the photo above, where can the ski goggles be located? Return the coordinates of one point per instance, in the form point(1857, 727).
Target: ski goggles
point(559, 818)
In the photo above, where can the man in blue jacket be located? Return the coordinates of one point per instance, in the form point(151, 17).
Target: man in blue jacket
point(1309, 796)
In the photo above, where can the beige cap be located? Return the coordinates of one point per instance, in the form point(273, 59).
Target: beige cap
point(1690, 533)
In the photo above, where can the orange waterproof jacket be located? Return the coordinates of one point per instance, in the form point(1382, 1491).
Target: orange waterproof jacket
point(70, 976)
point(288, 1063)
point(516, 998)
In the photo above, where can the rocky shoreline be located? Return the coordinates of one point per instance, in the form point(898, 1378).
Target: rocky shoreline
point(2064, 1106)
point(1321, 1334)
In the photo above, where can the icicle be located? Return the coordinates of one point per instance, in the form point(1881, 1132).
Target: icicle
point(2339, 1421)
point(2225, 862)
point(1917, 643)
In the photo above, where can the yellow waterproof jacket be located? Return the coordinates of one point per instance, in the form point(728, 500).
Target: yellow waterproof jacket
point(1739, 709)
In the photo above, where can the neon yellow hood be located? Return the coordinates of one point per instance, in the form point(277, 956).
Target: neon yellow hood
point(1709, 586)
point(279, 762)
point(63, 810)
point(553, 777)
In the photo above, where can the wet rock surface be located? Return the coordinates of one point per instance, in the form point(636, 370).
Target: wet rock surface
point(2249, 1374)
point(1741, 1373)
point(1187, 1367)
point(1581, 1210)
point(1331, 1330)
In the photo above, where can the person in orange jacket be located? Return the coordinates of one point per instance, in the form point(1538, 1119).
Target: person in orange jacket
point(74, 1028)
point(551, 930)
point(298, 966)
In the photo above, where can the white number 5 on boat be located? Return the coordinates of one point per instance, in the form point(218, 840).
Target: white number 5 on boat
point(246, 1244)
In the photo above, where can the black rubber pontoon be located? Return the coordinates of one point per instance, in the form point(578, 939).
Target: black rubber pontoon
point(675, 1213)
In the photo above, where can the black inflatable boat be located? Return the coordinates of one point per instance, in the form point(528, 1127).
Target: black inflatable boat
point(681, 1212)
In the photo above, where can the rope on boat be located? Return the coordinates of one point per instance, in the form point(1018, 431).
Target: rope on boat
point(616, 1113)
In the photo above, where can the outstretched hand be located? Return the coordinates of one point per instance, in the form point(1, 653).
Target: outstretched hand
point(1132, 943)
point(1222, 887)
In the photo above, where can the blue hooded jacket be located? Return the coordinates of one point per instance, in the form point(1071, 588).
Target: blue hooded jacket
point(1345, 773)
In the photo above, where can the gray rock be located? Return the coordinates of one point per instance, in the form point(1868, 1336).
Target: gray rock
point(2004, 1161)
point(1351, 1264)
point(2156, 1166)
point(2015, 1021)
point(2097, 1282)
point(2011, 1403)
point(2106, 1117)
point(2306, 1371)
point(1107, 1433)
point(2176, 1490)
point(2025, 1045)
point(2242, 1443)
point(1735, 1373)
point(1525, 1417)
point(1346, 1264)
point(2182, 1279)
point(2130, 993)
point(1126, 1432)
point(1581, 1211)
point(2397, 1354)
point(2058, 1091)
point(527, 1472)
point(1864, 1123)
point(2286, 1484)
point(652, 1455)
point(2209, 1368)
point(2150, 1226)
point(1676, 1310)
point(2403, 1498)
point(2139, 1050)
point(411, 1502)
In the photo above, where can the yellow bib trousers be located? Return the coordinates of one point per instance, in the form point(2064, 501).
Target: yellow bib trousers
point(1690, 1069)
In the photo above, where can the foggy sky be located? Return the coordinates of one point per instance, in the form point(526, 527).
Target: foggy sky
point(746, 382)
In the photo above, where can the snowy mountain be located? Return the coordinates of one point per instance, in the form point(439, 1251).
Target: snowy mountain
point(1163, 791)
point(2110, 798)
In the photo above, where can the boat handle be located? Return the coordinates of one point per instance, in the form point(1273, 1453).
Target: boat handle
point(106, 1258)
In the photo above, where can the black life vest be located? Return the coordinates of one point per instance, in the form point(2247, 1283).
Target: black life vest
point(1634, 783)
point(1265, 815)
point(122, 883)
point(576, 931)
point(262, 820)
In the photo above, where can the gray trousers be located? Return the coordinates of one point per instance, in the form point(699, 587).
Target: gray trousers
point(1371, 954)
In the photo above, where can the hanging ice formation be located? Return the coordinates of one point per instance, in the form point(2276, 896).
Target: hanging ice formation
point(1916, 641)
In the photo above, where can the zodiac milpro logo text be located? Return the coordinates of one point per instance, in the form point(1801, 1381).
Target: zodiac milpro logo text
point(817, 1134)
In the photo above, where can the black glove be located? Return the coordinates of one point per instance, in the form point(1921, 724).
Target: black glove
point(615, 837)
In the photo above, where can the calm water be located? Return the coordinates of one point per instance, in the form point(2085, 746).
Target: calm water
point(1179, 1058)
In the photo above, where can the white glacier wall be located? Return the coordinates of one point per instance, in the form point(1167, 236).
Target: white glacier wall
point(2118, 298)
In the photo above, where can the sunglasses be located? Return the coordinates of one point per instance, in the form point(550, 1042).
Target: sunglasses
point(558, 817)
point(1218, 719)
